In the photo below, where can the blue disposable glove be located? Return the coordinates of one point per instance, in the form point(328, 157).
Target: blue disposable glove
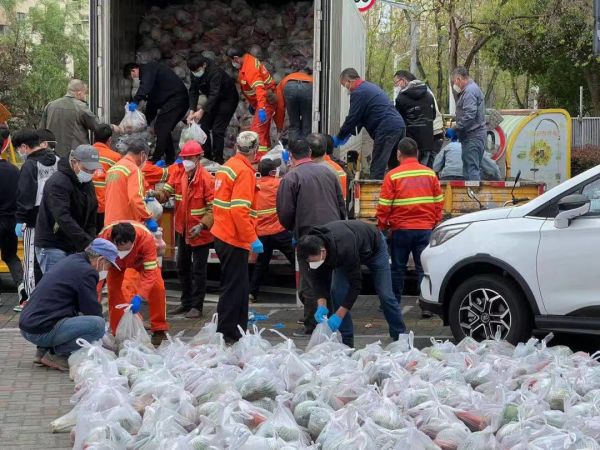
point(262, 115)
point(19, 230)
point(132, 106)
point(451, 134)
point(337, 141)
point(161, 163)
point(251, 110)
point(152, 225)
point(285, 156)
point(321, 313)
point(136, 304)
point(257, 246)
point(334, 322)
point(179, 161)
point(294, 242)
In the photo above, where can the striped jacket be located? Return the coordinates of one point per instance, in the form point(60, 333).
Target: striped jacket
point(154, 175)
point(255, 81)
point(108, 158)
point(411, 198)
point(340, 172)
point(267, 222)
point(233, 205)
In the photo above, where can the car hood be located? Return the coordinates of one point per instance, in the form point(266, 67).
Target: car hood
point(486, 214)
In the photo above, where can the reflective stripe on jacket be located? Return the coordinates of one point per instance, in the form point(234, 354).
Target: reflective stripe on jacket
point(255, 80)
point(340, 172)
point(108, 158)
point(154, 175)
point(267, 222)
point(411, 198)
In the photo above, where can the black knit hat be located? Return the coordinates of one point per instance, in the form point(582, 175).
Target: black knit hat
point(265, 166)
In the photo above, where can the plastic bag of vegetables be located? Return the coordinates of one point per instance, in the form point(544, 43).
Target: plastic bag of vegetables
point(133, 121)
point(281, 424)
point(193, 132)
point(344, 432)
point(480, 440)
point(131, 328)
point(208, 334)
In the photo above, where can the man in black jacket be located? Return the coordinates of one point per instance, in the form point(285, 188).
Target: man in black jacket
point(167, 101)
point(416, 105)
point(336, 252)
point(66, 222)
point(65, 306)
point(40, 163)
point(221, 103)
point(309, 195)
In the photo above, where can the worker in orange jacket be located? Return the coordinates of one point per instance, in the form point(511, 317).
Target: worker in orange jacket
point(108, 158)
point(410, 205)
point(235, 233)
point(154, 174)
point(137, 250)
point(258, 86)
point(193, 221)
point(319, 146)
point(270, 232)
point(294, 95)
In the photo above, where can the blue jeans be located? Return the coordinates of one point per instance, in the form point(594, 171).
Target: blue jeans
point(48, 257)
point(298, 104)
point(405, 242)
point(62, 337)
point(379, 266)
point(472, 154)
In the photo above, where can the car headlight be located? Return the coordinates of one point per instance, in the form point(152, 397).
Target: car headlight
point(444, 233)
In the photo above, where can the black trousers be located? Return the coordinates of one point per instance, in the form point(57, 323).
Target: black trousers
point(191, 267)
point(8, 248)
point(169, 115)
point(99, 222)
point(233, 299)
point(215, 125)
point(280, 241)
point(384, 148)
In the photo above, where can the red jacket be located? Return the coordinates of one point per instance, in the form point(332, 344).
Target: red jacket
point(411, 198)
point(255, 80)
point(280, 111)
point(267, 222)
point(154, 175)
point(108, 158)
point(233, 205)
point(341, 173)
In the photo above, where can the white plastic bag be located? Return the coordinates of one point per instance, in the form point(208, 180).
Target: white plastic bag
point(322, 334)
point(193, 132)
point(131, 328)
point(133, 122)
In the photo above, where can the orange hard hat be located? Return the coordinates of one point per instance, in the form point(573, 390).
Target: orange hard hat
point(191, 148)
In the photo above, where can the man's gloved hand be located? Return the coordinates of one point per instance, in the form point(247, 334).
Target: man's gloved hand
point(251, 110)
point(294, 242)
point(136, 304)
point(152, 225)
point(262, 115)
point(334, 322)
point(451, 134)
point(132, 106)
point(19, 230)
point(285, 156)
point(321, 313)
point(196, 230)
point(161, 163)
point(179, 161)
point(337, 141)
point(257, 246)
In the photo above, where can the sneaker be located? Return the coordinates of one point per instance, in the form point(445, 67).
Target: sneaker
point(179, 310)
point(426, 315)
point(300, 321)
point(20, 307)
point(193, 314)
point(302, 332)
point(22, 293)
point(55, 362)
point(158, 337)
point(251, 298)
point(39, 355)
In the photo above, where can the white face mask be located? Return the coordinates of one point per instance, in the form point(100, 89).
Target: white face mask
point(199, 73)
point(236, 65)
point(188, 165)
point(456, 88)
point(103, 274)
point(84, 177)
point(124, 253)
point(315, 264)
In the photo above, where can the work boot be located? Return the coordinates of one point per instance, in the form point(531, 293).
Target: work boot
point(57, 362)
point(179, 310)
point(39, 354)
point(302, 332)
point(193, 314)
point(158, 337)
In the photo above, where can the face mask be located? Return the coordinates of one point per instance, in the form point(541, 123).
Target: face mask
point(23, 155)
point(188, 165)
point(103, 274)
point(124, 253)
point(236, 65)
point(316, 264)
point(456, 88)
point(199, 73)
point(84, 177)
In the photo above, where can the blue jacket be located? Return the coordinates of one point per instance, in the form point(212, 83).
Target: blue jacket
point(470, 112)
point(371, 108)
point(67, 290)
point(448, 162)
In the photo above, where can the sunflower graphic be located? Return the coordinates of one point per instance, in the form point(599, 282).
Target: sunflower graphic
point(540, 153)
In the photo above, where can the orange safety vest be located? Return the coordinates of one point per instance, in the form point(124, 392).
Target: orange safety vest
point(233, 205)
point(341, 173)
point(154, 175)
point(267, 222)
point(255, 80)
point(125, 193)
point(108, 158)
point(280, 111)
point(196, 196)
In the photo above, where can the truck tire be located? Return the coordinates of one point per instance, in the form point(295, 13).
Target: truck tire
point(484, 303)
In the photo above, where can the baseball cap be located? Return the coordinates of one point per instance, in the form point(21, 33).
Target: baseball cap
point(106, 249)
point(87, 156)
point(247, 141)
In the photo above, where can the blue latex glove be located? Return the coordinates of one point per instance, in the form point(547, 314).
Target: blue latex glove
point(19, 230)
point(334, 322)
point(136, 304)
point(179, 161)
point(152, 225)
point(451, 134)
point(262, 116)
point(132, 106)
point(285, 156)
point(294, 242)
point(161, 163)
point(251, 110)
point(257, 246)
point(321, 313)
point(337, 141)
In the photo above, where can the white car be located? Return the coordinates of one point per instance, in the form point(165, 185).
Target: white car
point(515, 269)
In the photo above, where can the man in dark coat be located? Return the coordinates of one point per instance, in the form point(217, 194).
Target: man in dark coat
point(221, 103)
point(167, 101)
point(66, 221)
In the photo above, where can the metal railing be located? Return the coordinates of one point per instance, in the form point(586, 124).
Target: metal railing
point(586, 131)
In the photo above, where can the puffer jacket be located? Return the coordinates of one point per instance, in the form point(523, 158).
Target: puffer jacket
point(416, 105)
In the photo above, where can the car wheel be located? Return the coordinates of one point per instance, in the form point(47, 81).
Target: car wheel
point(484, 304)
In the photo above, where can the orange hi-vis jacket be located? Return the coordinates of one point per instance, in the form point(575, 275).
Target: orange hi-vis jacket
point(255, 80)
point(280, 111)
point(154, 175)
point(267, 222)
point(341, 173)
point(411, 198)
point(233, 205)
point(108, 158)
point(125, 193)
point(195, 205)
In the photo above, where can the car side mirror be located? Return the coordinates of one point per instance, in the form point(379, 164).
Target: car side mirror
point(571, 207)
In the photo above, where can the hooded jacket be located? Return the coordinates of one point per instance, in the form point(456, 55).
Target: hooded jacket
point(216, 85)
point(416, 105)
point(67, 216)
point(35, 171)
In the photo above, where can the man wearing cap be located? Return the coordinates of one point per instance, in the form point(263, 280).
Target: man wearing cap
point(66, 221)
point(235, 233)
point(193, 221)
point(65, 306)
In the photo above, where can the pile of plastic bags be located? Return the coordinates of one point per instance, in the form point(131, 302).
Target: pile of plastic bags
point(201, 394)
